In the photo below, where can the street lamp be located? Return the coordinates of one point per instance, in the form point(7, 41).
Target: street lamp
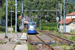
point(11, 19)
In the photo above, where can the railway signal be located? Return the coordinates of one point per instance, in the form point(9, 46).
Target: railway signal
point(0, 3)
point(58, 14)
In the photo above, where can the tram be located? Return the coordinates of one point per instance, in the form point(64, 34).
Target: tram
point(31, 27)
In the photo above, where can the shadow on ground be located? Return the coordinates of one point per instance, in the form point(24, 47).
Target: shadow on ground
point(32, 33)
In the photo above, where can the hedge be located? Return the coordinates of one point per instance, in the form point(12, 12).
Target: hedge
point(2, 28)
point(48, 28)
point(49, 24)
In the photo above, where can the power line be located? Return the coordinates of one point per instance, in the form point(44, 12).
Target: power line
point(41, 10)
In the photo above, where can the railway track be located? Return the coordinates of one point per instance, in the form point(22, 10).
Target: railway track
point(69, 34)
point(59, 39)
point(39, 43)
point(44, 42)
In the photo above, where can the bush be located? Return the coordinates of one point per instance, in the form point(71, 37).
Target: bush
point(45, 28)
point(52, 28)
point(49, 24)
point(2, 28)
point(48, 28)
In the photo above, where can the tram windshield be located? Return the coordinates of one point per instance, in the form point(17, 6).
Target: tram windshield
point(31, 23)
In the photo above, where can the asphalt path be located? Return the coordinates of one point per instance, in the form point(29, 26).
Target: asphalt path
point(10, 44)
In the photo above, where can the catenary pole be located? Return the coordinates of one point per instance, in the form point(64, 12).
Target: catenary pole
point(16, 20)
point(11, 20)
point(64, 16)
point(22, 16)
point(6, 19)
point(61, 17)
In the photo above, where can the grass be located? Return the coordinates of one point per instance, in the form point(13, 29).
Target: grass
point(2, 32)
point(38, 28)
point(24, 30)
point(1, 42)
point(14, 47)
point(8, 32)
point(30, 47)
point(65, 47)
point(59, 35)
point(72, 46)
point(18, 42)
point(53, 32)
point(40, 34)
point(54, 44)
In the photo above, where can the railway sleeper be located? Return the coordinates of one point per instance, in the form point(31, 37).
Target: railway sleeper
point(36, 43)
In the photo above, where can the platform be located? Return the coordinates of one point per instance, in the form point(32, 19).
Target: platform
point(21, 47)
point(24, 36)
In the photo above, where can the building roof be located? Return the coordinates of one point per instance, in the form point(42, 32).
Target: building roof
point(73, 13)
point(67, 21)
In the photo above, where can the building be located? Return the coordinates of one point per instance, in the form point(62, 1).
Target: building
point(69, 22)
point(71, 15)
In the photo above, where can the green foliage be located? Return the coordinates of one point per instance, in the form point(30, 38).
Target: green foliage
point(24, 30)
point(36, 5)
point(59, 35)
point(1, 42)
point(49, 24)
point(72, 46)
point(55, 44)
point(2, 28)
point(40, 34)
point(65, 37)
point(18, 24)
point(65, 47)
point(44, 28)
point(30, 47)
point(72, 38)
point(72, 1)
point(19, 21)
point(47, 28)
point(52, 28)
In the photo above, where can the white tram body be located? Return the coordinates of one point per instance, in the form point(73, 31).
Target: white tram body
point(31, 27)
